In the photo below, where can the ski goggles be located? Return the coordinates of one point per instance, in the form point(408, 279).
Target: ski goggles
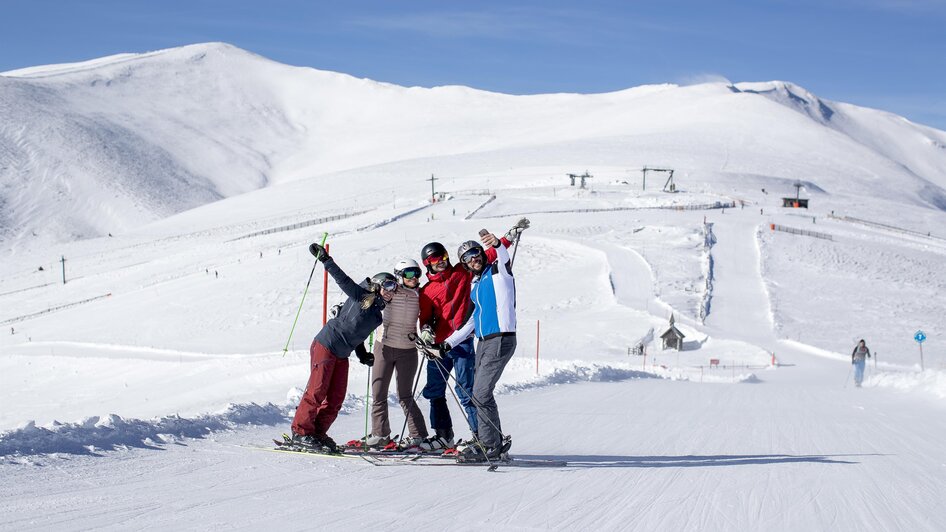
point(410, 273)
point(436, 259)
point(389, 285)
point(470, 255)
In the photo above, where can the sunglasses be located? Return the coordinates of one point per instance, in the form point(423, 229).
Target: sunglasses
point(410, 273)
point(389, 286)
point(470, 255)
point(436, 259)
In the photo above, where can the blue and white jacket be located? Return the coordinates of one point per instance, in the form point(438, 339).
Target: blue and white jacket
point(494, 302)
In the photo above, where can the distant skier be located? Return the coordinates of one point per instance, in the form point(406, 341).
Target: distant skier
point(396, 355)
point(493, 290)
point(859, 358)
point(444, 306)
point(344, 333)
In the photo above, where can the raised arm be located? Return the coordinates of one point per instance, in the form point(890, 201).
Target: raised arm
point(344, 282)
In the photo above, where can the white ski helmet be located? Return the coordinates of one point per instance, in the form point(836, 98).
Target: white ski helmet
point(407, 269)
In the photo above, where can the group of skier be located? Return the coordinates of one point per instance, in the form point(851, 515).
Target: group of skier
point(475, 297)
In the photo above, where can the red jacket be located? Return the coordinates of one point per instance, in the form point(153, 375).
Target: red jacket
point(445, 300)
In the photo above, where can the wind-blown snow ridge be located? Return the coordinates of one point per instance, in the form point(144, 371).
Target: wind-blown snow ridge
point(931, 382)
point(113, 432)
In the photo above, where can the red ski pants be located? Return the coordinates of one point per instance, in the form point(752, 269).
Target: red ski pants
point(324, 393)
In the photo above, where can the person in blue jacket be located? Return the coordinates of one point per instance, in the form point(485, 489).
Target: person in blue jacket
point(344, 333)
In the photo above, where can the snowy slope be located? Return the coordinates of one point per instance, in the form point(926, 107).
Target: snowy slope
point(145, 379)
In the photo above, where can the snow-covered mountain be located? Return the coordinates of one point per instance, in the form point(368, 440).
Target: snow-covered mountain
point(107, 145)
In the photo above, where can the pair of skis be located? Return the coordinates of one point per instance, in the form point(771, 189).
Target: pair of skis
point(391, 458)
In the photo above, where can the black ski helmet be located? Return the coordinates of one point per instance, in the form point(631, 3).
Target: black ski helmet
point(465, 248)
point(433, 249)
point(381, 278)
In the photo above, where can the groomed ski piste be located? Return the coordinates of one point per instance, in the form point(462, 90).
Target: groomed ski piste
point(133, 394)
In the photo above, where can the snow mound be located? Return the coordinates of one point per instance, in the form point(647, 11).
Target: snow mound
point(932, 382)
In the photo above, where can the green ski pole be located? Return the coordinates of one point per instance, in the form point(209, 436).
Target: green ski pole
point(286, 348)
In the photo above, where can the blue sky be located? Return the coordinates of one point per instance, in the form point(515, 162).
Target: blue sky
point(888, 54)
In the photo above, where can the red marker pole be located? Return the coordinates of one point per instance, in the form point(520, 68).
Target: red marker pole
point(536, 347)
point(325, 292)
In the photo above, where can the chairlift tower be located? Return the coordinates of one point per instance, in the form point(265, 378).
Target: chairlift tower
point(669, 186)
point(581, 177)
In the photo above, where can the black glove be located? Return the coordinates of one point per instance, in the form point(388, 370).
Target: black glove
point(318, 252)
point(363, 355)
point(433, 351)
point(442, 349)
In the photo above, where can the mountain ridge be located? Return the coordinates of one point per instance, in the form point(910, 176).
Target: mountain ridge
point(113, 143)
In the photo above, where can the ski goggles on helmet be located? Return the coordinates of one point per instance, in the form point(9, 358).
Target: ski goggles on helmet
point(470, 254)
point(410, 273)
point(389, 285)
point(436, 259)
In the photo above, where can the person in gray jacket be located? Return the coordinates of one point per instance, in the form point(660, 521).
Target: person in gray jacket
point(859, 358)
point(396, 356)
point(328, 380)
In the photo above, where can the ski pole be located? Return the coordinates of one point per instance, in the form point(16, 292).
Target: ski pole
point(368, 392)
point(515, 248)
point(476, 403)
point(286, 348)
point(849, 375)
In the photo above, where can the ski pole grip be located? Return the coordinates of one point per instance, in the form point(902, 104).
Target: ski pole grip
point(484, 232)
point(322, 243)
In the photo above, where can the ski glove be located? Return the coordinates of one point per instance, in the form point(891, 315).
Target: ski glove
point(436, 351)
point(431, 350)
point(318, 252)
point(515, 230)
point(364, 356)
point(426, 335)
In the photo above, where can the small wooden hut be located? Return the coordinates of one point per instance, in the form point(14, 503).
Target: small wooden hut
point(672, 338)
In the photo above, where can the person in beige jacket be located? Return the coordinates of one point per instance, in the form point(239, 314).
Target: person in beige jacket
point(396, 356)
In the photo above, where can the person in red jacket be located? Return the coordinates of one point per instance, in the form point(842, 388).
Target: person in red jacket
point(445, 306)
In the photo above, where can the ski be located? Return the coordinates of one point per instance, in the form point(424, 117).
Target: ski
point(492, 466)
point(287, 450)
point(287, 445)
point(356, 447)
point(396, 454)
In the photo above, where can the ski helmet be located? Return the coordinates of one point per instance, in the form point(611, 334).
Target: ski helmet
point(432, 253)
point(468, 250)
point(406, 269)
point(385, 280)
